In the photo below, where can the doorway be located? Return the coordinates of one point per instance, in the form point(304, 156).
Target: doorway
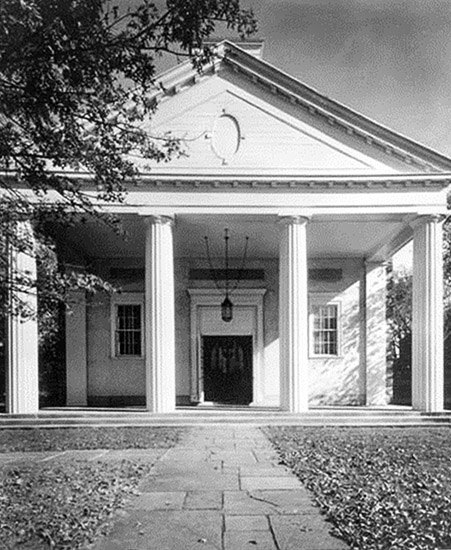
point(227, 369)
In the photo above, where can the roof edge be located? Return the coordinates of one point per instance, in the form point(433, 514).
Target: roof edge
point(414, 181)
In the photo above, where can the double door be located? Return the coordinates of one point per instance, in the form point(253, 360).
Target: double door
point(227, 369)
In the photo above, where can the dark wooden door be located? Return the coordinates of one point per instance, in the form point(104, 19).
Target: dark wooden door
point(227, 369)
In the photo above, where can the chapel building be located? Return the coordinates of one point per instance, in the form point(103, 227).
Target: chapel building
point(326, 197)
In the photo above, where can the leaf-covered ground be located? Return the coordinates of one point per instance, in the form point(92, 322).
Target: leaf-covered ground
point(383, 489)
point(62, 439)
point(62, 506)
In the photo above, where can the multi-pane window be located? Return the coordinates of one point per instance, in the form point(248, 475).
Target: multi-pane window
point(325, 329)
point(128, 337)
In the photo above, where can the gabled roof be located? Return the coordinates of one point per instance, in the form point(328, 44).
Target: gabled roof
point(295, 92)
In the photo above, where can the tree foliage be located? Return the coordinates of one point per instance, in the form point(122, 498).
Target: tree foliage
point(399, 311)
point(76, 79)
point(399, 325)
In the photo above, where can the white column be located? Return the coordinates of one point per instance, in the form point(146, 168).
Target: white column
point(427, 315)
point(22, 375)
point(76, 352)
point(293, 315)
point(375, 333)
point(160, 311)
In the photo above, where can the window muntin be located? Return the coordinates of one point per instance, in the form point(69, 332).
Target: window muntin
point(324, 332)
point(128, 330)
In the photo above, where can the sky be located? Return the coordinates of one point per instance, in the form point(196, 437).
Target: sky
point(388, 59)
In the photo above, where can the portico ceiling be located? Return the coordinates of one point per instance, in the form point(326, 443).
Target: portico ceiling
point(350, 236)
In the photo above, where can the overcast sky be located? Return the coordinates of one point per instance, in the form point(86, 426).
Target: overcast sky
point(388, 59)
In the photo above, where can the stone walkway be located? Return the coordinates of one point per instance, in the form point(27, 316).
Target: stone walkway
point(221, 488)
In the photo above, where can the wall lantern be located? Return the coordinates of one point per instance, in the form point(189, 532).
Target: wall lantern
point(226, 275)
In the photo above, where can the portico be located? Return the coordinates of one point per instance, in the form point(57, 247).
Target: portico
point(303, 268)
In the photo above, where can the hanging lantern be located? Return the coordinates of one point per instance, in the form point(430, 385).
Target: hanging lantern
point(227, 310)
point(227, 305)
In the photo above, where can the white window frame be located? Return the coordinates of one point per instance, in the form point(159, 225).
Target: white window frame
point(126, 299)
point(324, 300)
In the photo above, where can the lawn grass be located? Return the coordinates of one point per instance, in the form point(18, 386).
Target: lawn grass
point(382, 488)
point(66, 504)
point(62, 439)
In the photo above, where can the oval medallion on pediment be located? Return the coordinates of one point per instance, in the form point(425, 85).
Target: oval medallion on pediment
point(226, 137)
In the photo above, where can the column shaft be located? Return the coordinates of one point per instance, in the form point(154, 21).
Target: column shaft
point(427, 316)
point(293, 315)
point(159, 315)
point(22, 373)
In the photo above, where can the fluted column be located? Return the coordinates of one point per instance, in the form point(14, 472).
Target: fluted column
point(22, 374)
point(293, 314)
point(427, 315)
point(159, 315)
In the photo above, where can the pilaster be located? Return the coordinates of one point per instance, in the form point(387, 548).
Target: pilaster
point(375, 333)
point(427, 315)
point(293, 314)
point(159, 315)
point(76, 352)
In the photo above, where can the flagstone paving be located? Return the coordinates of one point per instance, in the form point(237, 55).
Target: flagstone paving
point(221, 488)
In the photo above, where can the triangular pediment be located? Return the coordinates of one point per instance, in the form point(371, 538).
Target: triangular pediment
point(248, 121)
point(225, 129)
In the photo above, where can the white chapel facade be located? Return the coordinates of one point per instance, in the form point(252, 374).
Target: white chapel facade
point(326, 197)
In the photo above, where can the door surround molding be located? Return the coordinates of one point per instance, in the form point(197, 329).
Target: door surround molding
point(250, 299)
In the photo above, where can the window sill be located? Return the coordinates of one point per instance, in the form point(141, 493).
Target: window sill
point(128, 358)
point(325, 356)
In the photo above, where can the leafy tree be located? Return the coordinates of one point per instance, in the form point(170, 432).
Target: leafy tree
point(399, 321)
point(399, 310)
point(76, 79)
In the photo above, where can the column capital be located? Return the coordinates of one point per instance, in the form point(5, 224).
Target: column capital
point(158, 220)
point(428, 218)
point(293, 219)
